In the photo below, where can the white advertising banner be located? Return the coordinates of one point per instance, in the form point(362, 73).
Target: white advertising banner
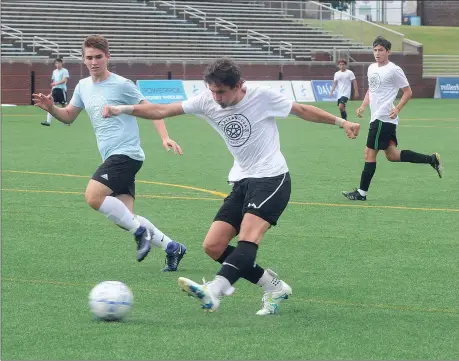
point(303, 91)
point(194, 87)
point(284, 87)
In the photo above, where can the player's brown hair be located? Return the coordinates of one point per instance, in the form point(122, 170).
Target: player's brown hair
point(96, 42)
point(223, 71)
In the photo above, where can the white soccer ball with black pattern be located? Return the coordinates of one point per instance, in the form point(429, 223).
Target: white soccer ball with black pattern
point(110, 300)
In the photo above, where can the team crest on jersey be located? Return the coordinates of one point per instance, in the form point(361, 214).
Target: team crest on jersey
point(96, 107)
point(374, 82)
point(236, 128)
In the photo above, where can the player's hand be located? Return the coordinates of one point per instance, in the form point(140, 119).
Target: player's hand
point(169, 144)
point(110, 111)
point(53, 84)
point(331, 94)
point(359, 112)
point(393, 114)
point(352, 129)
point(356, 96)
point(45, 102)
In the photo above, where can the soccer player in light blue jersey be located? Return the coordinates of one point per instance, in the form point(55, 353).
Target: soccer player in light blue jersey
point(111, 189)
point(58, 87)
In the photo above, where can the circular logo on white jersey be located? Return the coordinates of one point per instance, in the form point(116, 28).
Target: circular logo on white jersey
point(236, 128)
point(374, 82)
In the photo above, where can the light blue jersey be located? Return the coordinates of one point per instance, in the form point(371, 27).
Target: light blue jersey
point(59, 75)
point(117, 134)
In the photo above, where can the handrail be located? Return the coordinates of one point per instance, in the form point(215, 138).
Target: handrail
point(222, 23)
point(13, 34)
point(194, 12)
point(288, 47)
point(43, 43)
point(260, 37)
point(170, 3)
point(73, 56)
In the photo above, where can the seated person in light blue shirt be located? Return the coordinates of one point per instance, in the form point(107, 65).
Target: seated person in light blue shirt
point(59, 87)
point(111, 190)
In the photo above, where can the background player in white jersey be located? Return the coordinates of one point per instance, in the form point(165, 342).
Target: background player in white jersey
point(343, 80)
point(245, 118)
point(111, 190)
point(384, 81)
point(59, 87)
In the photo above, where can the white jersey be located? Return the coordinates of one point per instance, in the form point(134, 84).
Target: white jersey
point(344, 82)
point(384, 83)
point(249, 130)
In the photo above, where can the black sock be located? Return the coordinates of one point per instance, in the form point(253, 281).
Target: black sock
point(413, 157)
point(239, 261)
point(252, 274)
point(368, 171)
point(344, 115)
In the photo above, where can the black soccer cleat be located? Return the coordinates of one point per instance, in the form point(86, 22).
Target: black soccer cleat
point(436, 164)
point(143, 239)
point(354, 196)
point(46, 124)
point(174, 254)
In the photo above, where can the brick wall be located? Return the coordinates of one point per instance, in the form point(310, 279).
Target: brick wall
point(439, 12)
point(16, 77)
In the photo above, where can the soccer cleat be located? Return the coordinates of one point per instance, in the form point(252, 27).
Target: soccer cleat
point(437, 164)
point(174, 254)
point(354, 195)
point(209, 302)
point(271, 300)
point(45, 124)
point(143, 239)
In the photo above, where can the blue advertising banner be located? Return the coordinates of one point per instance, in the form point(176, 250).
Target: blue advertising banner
point(447, 88)
point(322, 90)
point(162, 91)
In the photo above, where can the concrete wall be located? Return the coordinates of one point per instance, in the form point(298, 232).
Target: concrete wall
point(439, 12)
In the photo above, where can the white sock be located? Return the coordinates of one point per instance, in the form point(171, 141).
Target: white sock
point(269, 282)
point(117, 212)
point(159, 239)
point(362, 193)
point(220, 286)
point(49, 118)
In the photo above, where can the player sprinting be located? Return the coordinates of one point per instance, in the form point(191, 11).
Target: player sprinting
point(244, 116)
point(111, 190)
point(384, 81)
point(59, 79)
point(343, 81)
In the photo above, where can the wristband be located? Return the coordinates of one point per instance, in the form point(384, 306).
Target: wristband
point(339, 122)
point(126, 109)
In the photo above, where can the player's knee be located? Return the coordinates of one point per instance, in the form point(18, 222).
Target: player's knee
point(369, 156)
point(341, 107)
point(213, 249)
point(93, 200)
point(391, 157)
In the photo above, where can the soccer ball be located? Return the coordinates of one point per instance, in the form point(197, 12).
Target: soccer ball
point(110, 300)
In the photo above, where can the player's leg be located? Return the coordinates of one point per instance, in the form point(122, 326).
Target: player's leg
point(56, 99)
point(111, 179)
point(375, 141)
point(408, 156)
point(342, 107)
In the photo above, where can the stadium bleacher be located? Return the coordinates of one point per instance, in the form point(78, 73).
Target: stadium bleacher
point(162, 30)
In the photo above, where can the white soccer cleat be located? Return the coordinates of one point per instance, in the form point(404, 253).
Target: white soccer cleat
point(271, 300)
point(209, 302)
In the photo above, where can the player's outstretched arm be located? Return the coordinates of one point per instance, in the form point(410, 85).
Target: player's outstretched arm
point(145, 110)
point(316, 115)
point(65, 115)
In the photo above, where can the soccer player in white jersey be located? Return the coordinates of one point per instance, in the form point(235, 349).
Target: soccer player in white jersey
point(111, 190)
point(59, 79)
point(244, 116)
point(343, 81)
point(384, 81)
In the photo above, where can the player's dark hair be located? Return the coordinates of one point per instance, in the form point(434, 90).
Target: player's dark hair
point(223, 71)
point(342, 61)
point(59, 60)
point(380, 40)
point(96, 42)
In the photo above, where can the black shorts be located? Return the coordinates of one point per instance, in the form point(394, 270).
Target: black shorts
point(118, 173)
point(381, 135)
point(342, 100)
point(59, 96)
point(264, 197)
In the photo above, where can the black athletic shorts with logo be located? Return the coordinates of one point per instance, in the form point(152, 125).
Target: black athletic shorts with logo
point(59, 96)
point(118, 173)
point(381, 135)
point(342, 100)
point(264, 197)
